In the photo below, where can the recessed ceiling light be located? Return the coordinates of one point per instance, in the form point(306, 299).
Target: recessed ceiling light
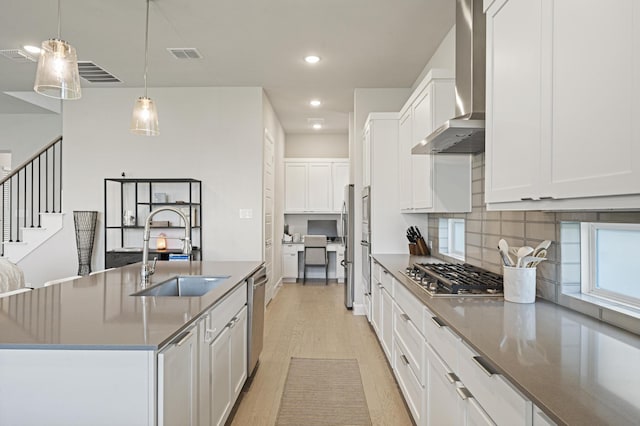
point(32, 49)
point(315, 102)
point(312, 59)
point(317, 126)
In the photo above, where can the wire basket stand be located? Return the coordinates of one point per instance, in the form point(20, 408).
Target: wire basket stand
point(85, 225)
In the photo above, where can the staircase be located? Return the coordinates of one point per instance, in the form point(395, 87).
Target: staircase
point(31, 205)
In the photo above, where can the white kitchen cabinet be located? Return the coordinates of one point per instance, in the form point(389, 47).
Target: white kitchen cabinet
point(290, 261)
point(540, 418)
point(366, 155)
point(319, 187)
point(409, 384)
point(376, 307)
point(177, 381)
point(315, 185)
point(567, 140)
point(444, 405)
point(431, 183)
point(228, 364)
point(388, 227)
point(295, 183)
point(386, 308)
point(340, 179)
point(499, 398)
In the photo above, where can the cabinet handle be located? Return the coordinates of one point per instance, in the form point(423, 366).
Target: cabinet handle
point(404, 359)
point(404, 317)
point(546, 198)
point(526, 199)
point(437, 321)
point(209, 334)
point(385, 272)
point(233, 322)
point(452, 377)
point(183, 338)
point(484, 366)
point(379, 285)
point(464, 393)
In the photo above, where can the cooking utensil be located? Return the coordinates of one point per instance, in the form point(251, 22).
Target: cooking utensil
point(542, 246)
point(523, 252)
point(531, 261)
point(503, 248)
point(542, 255)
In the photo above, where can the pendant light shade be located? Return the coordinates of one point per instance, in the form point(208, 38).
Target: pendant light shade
point(57, 74)
point(144, 120)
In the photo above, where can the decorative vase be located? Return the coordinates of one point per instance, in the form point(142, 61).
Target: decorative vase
point(85, 225)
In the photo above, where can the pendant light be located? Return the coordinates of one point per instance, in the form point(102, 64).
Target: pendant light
point(57, 74)
point(144, 120)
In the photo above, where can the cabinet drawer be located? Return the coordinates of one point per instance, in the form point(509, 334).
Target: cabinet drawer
point(503, 402)
point(409, 304)
point(441, 338)
point(411, 388)
point(376, 271)
point(220, 315)
point(387, 280)
point(411, 341)
point(540, 418)
point(290, 248)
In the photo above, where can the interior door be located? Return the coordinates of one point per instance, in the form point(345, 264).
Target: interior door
point(268, 231)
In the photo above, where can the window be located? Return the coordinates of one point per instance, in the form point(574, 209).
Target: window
point(610, 265)
point(451, 238)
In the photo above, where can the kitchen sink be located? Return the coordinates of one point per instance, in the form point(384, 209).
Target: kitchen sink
point(183, 286)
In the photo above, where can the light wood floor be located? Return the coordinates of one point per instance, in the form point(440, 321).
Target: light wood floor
point(311, 321)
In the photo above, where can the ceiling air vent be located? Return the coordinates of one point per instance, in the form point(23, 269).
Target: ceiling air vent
point(184, 53)
point(17, 55)
point(95, 74)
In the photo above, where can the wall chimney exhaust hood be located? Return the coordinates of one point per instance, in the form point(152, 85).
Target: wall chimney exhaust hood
point(464, 134)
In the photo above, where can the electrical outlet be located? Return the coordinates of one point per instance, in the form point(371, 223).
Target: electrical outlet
point(246, 213)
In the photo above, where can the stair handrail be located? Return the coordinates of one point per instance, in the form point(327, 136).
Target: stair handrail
point(25, 163)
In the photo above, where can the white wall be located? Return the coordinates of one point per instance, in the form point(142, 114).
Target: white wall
point(444, 57)
point(24, 134)
point(212, 134)
point(307, 145)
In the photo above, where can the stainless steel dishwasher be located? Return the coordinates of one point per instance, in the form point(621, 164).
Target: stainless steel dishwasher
point(255, 304)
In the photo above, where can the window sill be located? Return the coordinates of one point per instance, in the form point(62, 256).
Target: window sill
point(455, 257)
point(608, 311)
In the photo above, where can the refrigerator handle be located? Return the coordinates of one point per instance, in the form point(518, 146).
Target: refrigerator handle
point(342, 216)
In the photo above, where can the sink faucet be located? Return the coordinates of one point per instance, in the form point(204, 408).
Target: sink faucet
point(148, 270)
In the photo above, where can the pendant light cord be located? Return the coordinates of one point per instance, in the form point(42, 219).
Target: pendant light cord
point(146, 50)
point(59, 18)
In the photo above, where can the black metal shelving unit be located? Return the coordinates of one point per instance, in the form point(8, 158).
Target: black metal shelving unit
point(139, 193)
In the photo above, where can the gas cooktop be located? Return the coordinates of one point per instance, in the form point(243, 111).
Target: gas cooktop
point(452, 279)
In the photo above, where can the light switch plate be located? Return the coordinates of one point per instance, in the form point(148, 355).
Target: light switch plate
point(246, 213)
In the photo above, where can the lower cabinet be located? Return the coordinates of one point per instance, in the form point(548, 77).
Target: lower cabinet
point(228, 364)
point(177, 381)
point(409, 384)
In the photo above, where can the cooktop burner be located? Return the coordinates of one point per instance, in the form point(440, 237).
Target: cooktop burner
point(452, 279)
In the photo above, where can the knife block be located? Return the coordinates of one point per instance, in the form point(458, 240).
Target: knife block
point(422, 248)
point(413, 248)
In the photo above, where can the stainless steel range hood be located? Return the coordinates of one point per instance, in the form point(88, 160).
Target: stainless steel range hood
point(464, 134)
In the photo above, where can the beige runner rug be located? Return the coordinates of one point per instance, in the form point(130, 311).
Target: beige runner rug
point(323, 392)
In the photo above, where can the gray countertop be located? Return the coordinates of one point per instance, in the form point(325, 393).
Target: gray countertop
point(98, 311)
point(579, 370)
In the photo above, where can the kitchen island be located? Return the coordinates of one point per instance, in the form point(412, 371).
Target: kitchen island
point(564, 367)
point(88, 352)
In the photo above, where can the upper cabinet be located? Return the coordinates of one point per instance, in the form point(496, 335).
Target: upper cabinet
point(563, 83)
point(315, 185)
point(431, 183)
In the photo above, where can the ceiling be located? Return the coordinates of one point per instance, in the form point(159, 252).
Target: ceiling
point(362, 43)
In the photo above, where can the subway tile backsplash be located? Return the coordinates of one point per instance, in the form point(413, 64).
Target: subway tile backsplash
point(484, 228)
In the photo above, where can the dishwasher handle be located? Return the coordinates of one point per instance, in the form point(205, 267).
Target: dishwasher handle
point(259, 278)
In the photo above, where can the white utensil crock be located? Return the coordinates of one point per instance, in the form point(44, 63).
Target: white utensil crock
point(519, 284)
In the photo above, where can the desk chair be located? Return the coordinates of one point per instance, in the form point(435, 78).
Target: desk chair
point(315, 254)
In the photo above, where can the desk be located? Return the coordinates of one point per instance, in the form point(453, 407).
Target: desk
point(293, 267)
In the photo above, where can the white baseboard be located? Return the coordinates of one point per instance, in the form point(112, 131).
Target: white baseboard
point(358, 309)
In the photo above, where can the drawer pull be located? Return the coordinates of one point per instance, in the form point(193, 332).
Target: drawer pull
point(404, 317)
point(464, 393)
point(404, 359)
point(379, 285)
point(183, 339)
point(385, 272)
point(452, 377)
point(437, 321)
point(484, 366)
point(233, 322)
point(526, 199)
point(209, 335)
point(546, 198)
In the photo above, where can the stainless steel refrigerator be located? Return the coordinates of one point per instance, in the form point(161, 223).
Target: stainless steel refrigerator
point(348, 240)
